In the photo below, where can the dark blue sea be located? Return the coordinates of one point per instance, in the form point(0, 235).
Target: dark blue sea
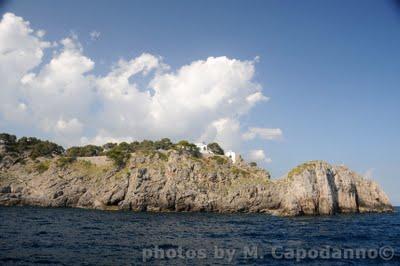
point(44, 236)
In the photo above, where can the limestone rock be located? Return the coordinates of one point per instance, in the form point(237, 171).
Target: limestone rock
point(319, 188)
point(179, 182)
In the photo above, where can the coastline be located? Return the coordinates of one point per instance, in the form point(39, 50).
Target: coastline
point(179, 182)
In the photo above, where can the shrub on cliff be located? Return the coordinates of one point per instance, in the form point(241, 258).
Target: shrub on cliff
point(65, 160)
point(7, 139)
point(215, 148)
point(32, 146)
point(145, 145)
point(7, 143)
point(37, 148)
point(149, 145)
point(125, 147)
point(220, 160)
point(164, 144)
point(45, 149)
point(109, 146)
point(28, 146)
point(42, 167)
point(186, 146)
point(85, 151)
point(120, 155)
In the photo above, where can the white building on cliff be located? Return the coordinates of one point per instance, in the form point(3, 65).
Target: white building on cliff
point(205, 150)
point(231, 155)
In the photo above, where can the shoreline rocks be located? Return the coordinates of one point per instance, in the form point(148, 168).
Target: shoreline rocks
point(180, 182)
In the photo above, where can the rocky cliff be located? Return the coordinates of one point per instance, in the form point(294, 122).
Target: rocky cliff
point(176, 181)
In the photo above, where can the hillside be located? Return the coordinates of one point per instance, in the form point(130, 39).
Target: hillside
point(176, 178)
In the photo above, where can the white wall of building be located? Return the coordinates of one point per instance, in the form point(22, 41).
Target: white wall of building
point(231, 155)
point(203, 148)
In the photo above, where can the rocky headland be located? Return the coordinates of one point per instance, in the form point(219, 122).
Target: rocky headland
point(176, 178)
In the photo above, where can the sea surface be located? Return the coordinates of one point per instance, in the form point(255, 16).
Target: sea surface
point(30, 235)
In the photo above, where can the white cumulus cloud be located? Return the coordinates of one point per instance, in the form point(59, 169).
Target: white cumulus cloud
point(139, 98)
point(264, 133)
point(20, 51)
point(258, 156)
point(94, 35)
point(72, 126)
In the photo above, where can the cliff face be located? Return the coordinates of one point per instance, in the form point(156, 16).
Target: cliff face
point(319, 188)
point(172, 181)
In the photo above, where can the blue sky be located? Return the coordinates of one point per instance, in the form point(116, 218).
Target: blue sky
point(330, 68)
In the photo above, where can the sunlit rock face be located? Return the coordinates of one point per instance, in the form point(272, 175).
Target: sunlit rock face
point(319, 188)
point(176, 181)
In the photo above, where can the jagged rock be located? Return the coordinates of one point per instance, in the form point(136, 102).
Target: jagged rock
point(3, 148)
point(319, 188)
point(184, 183)
point(5, 189)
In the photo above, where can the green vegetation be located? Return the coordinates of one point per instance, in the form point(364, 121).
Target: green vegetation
point(45, 149)
point(149, 145)
point(163, 156)
point(219, 159)
point(32, 146)
point(88, 169)
point(188, 147)
point(85, 151)
point(109, 146)
point(253, 164)
point(215, 148)
point(124, 146)
point(164, 144)
point(244, 181)
point(120, 154)
point(145, 145)
point(42, 167)
point(303, 167)
point(64, 161)
point(7, 139)
point(86, 164)
point(155, 154)
point(239, 172)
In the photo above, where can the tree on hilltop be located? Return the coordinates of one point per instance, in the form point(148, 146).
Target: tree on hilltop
point(215, 148)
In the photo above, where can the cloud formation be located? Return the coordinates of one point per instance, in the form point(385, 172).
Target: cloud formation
point(94, 35)
point(263, 133)
point(259, 156)
point(65, 100)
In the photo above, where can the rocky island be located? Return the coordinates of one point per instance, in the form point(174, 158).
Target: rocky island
point(162, 176)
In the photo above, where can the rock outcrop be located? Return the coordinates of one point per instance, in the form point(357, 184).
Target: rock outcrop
point(173, 181)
